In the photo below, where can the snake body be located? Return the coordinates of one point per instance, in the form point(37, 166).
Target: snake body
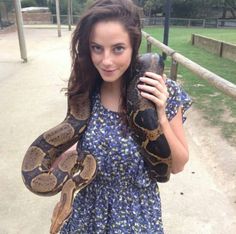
point(143, 119)
point(78, 169)
point(73, 173)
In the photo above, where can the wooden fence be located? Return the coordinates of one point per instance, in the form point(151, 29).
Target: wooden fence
point(221, 48)
point(218, 82)
point(186, 22)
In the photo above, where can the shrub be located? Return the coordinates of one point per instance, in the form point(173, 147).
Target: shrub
point(28, 3)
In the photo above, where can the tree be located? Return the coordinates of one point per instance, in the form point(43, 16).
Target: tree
point(180, 8)
point(139, 3)
point(42, 2)
point(185, 8)
point(28, 3)
point(78, 6)
point(203, 8)
point(149, 6)
point(229, 5)
point(88, 3)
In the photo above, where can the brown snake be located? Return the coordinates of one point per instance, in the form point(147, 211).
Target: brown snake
point(78, 169)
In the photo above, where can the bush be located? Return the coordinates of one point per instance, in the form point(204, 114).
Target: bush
point(42, 3)
point(28, 3)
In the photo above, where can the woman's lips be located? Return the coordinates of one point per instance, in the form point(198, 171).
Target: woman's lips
point(108, 71)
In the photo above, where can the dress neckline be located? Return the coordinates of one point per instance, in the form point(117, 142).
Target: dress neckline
point(105, 109)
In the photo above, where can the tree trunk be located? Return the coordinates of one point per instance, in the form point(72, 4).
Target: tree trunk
point(3, 12)
point(224, 12)
point(230, 7)
point(232, 10)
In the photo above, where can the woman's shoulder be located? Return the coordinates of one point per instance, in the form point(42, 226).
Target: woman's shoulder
point(178, 97)
point(173, 87)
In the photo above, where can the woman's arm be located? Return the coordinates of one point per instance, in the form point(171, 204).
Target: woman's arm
point(175, 137)
point(154, 89)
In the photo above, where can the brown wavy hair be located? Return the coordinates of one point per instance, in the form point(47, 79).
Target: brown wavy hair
point(84, 76)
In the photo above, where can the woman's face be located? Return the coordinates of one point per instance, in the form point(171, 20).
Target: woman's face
point(110, 49)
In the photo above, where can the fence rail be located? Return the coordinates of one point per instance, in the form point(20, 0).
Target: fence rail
point(147, 21)
point(218, 82)
point(182, 22)
point(185, 22)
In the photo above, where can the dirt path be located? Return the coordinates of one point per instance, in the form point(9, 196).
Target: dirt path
point(200, 200)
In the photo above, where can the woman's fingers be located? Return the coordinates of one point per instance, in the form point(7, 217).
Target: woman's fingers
point(153, 84)
point(149, 89)
point(151, 98)
point(153, 87)
point(157, 77)
point(149, 81)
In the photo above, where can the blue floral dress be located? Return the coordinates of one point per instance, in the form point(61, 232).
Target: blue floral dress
point(122, 198)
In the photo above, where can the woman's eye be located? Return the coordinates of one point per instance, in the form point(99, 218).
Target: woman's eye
point(96, 49)
point(119, 49)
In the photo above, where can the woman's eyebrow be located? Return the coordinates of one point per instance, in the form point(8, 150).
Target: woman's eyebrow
point(94, 43)
point(119, 44)
point(116, 44)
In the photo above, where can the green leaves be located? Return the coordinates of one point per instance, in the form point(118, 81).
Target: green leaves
point(189, 8)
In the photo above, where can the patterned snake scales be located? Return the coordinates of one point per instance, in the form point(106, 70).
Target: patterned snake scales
point(78, 169)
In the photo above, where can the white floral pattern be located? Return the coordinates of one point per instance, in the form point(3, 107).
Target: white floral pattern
point(122, 198)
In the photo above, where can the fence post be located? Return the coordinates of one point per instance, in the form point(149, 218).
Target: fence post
point(69, 13)
point(221, 48)
point(173, 69)
point(217, 23)
point(20, 30)
point(149, 47)
point(58, 18)
point(193, 37)
point(204, 23)
point(189, 23)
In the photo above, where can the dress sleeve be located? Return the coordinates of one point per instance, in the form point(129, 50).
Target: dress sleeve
point(177, 98)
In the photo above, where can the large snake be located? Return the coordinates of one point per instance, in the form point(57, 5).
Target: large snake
point(143, 119)
point(78, 169)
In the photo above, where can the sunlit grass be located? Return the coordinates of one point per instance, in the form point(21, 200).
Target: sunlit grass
point(216, 107)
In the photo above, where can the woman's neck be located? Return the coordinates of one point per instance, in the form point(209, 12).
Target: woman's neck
point(111, 95)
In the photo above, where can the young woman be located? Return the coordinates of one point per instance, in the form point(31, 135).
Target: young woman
point(122, 198)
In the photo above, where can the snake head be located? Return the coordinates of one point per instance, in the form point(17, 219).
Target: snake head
point(151, 62)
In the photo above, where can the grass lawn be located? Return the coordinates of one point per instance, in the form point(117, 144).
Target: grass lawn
point(216, 107)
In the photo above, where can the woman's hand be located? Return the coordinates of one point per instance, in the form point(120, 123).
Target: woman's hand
point(154, 89)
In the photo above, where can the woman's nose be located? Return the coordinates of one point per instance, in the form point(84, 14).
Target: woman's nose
point(107, 59)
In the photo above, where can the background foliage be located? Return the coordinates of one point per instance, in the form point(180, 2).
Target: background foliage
point(180, 8)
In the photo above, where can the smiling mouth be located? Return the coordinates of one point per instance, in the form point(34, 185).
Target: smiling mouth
point(108, 71)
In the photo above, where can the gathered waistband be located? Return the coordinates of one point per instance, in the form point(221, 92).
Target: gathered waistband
point(119, 184)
